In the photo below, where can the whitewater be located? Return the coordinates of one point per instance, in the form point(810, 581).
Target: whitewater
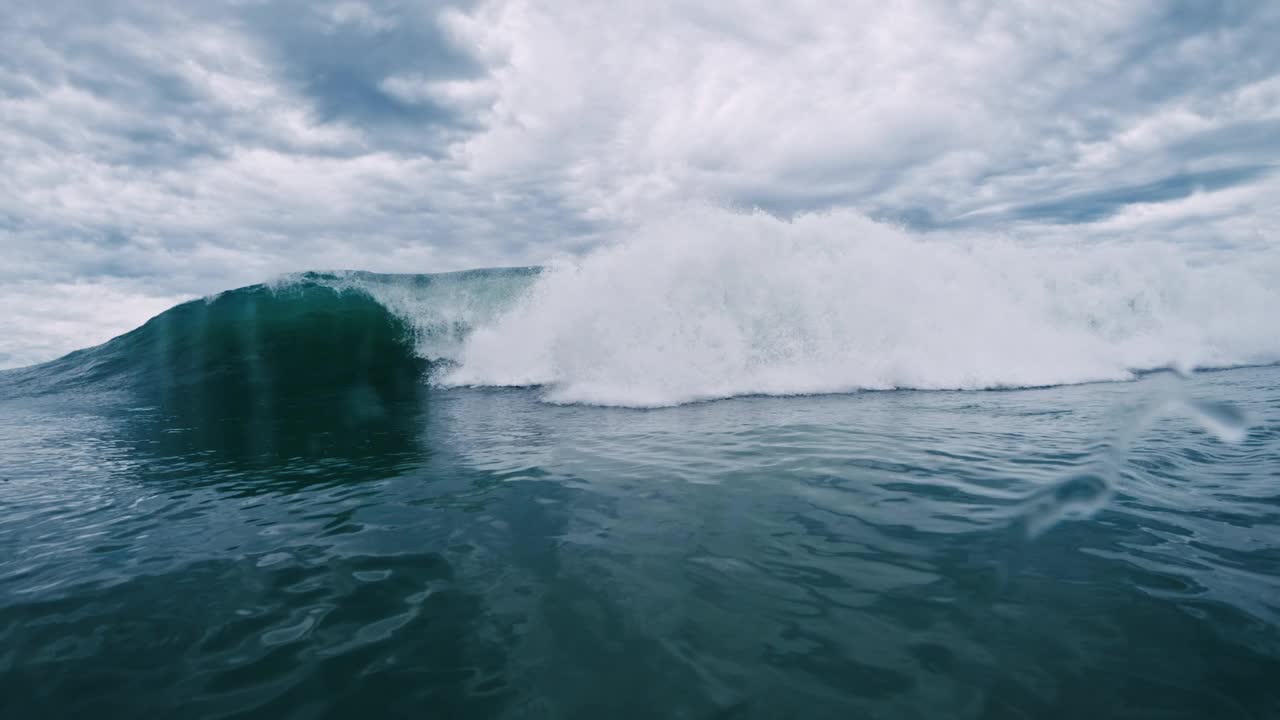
point(709, 304)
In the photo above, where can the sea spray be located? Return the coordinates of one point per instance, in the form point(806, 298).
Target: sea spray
point(711, 304)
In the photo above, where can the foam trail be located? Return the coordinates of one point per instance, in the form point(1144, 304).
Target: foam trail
point(710, 304)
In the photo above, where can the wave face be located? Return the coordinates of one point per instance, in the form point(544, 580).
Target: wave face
point(300, 334)
point(713, 304)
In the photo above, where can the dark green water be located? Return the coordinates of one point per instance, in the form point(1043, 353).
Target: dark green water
point(256, 508)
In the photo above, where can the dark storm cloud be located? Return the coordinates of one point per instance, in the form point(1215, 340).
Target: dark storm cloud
point(341, 62)
point(337, 64)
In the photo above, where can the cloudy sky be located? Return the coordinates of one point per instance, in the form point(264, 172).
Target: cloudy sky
point(153, 152)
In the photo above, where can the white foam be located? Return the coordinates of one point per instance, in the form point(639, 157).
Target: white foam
point(710, 304)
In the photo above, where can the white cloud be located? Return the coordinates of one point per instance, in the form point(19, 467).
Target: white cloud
point(358, 14)
point(621, 104)
point(464, 95)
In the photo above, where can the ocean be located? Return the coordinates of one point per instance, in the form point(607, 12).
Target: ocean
point(604, 492)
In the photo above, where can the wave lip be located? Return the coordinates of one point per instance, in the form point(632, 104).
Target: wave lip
point(713, 304)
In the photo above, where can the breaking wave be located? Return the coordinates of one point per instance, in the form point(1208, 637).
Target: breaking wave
point(712, 304)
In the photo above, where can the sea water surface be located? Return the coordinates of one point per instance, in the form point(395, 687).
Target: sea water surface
point(323, 499)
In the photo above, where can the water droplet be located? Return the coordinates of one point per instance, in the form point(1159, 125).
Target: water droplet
point(1224, 420)
point(1076, 498)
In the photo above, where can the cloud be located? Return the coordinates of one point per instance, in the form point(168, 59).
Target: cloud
point(154, 153)
point(893, 108)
